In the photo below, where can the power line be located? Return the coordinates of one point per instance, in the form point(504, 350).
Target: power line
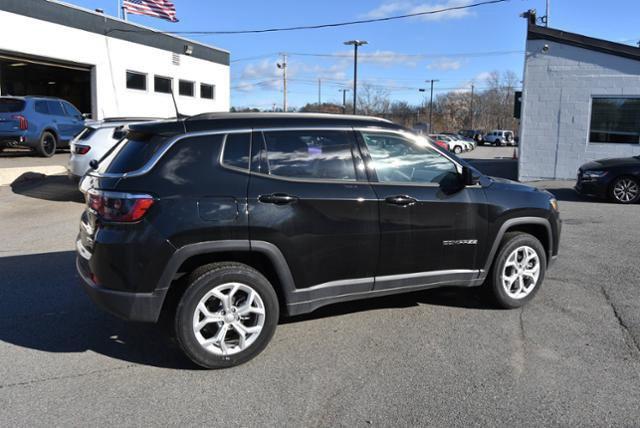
point(332, 25)
point(403, 55)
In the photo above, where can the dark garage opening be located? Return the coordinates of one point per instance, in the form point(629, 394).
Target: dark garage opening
point(24, 77)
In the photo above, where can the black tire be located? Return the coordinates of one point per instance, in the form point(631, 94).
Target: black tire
point(625, 187)
point(498, 143)
point(511, 242)
point(201, 282)
point(457, 150)
point(47, 145)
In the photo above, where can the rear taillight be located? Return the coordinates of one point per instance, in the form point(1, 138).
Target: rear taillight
point(23, 122)
point(119, 207)
point(81, 149)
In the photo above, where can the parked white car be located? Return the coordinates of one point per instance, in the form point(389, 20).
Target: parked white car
point(94, 141)
point(500, 137)
point(455, 146)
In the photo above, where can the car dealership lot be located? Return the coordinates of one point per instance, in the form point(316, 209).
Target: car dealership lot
point(434, 357)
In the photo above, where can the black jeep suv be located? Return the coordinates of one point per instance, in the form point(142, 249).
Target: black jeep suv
point(226, 221)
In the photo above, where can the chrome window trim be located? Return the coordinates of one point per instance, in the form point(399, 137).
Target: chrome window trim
point(164, 149)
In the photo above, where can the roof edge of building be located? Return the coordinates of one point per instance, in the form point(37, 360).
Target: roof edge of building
point(536, 32)
point(61, 13)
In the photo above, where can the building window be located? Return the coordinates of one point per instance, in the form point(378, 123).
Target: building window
point(136, 81)
point(207, 91)
point(186, 88)
point(615, 120)
point(162, 84)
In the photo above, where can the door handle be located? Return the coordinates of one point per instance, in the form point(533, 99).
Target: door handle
point(402, 200)
point(277, 198)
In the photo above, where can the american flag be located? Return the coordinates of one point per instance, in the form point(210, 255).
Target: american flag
point(159, 8)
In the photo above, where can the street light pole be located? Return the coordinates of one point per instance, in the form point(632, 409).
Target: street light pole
point(283, 66)
point(355, 44)
point(472, 87)
point(431, 106)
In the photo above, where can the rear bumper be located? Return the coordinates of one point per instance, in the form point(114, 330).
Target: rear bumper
point(143, 307)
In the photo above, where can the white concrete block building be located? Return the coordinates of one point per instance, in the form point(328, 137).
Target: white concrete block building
point(105, 66)
point(580, 102)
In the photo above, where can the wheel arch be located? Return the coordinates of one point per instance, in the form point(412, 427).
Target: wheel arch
point(266, 258)
point(539, 227)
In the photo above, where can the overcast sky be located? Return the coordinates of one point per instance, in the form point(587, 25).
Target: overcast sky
point(456, 48)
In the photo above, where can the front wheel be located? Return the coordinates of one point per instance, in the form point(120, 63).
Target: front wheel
point(625, 190)
point(457, 150)
point(227, 315)
point(518, 270)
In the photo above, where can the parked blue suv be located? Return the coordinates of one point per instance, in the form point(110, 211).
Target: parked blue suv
point(39, 123)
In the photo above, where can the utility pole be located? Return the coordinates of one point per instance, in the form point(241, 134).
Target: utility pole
point(472, 87)
point(355, 44)
point(344, 99)
point(283, 67)
point(431, 106)
point(546, 18)
point(319, 92)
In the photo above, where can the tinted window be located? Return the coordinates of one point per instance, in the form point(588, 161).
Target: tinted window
point(186, 88)
point(207, 91)
point(398, 159)
point(132, 154)
point(55, 108)
point(71, 110)
point(42, 107)
point(162, 84)
point(615, 120)
point(324, 155)
point(236, 150)
point(136, 81)
point(11, 105)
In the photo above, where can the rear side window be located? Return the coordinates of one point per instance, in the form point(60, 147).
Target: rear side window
point(55, 108)
point(133, 154)
point(236, 150)
point(320, 155)
point(11, 105)
point(42, 107)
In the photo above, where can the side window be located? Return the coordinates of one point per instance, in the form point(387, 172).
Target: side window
point(320, 155)
point(398, 159)
point(55, 108)
point(71, 110)
point(41, 107)
point(236, 150)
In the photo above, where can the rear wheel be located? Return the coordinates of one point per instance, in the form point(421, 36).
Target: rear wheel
point(625, 190)
point(227, 315)
point(457, 150)
point(518, 270)
point(47, 145)
point(497, 143)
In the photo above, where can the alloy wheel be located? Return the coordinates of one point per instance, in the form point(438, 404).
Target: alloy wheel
point(626, 190)
point(49, 144)
point(229, 318)
point(521, 272)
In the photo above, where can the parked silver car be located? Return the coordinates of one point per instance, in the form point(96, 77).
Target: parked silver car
point(94, 141)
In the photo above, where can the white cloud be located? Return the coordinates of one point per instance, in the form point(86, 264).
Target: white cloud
point(410, 7)
point(445, 64)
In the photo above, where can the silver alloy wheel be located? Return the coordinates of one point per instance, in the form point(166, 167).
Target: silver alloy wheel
point(521, 272)
point(626, 190)
point(228, 318)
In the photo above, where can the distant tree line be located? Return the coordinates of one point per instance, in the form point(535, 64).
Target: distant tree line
point(491, 107)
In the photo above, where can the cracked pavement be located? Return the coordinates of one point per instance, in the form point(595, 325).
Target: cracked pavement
point(439, 357)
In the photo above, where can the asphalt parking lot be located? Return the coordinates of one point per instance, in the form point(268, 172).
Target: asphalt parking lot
point(438, 357)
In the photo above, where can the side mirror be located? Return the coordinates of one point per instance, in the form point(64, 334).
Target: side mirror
point(468, 178)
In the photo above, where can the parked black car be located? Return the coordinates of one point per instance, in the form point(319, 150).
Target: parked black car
point(615, 179)
point(225, 221)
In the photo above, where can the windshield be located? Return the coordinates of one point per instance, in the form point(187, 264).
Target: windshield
point(11, 105)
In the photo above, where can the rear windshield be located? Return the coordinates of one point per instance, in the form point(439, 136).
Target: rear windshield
point(131, 155)
point(11, 105)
